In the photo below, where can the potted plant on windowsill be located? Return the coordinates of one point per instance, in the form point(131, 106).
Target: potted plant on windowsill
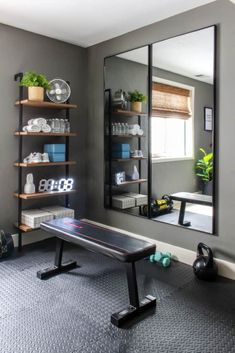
point(36, 84)
point(204, 170)
point(136, 98)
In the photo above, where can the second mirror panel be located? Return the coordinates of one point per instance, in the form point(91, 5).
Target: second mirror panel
point(182, 130)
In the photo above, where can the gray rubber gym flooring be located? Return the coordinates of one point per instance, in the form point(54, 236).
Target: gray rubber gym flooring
point(198, 221)
point(70, 313)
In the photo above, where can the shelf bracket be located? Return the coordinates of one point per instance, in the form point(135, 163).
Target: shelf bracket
point(18, 76)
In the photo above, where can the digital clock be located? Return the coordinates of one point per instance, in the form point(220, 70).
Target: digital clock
point(55, 185)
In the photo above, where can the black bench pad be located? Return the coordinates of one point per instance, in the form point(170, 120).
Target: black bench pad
point(190, 197)
point(123, 247)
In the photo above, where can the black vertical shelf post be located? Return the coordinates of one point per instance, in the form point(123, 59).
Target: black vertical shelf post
point(18, 77)
point(139, 148)
point(109, 154)
point(150, 78)
point(215, 140)
point(139, 162)
point(67, 151)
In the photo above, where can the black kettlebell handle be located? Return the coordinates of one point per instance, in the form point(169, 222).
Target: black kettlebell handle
point(200, 248)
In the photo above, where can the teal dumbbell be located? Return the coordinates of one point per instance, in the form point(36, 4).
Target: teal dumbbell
point(163, 259)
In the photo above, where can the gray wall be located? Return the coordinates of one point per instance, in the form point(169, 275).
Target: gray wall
point(22, 51)
point(167, 177)
point(221, 13)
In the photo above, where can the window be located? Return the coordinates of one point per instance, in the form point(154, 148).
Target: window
point(172, 127)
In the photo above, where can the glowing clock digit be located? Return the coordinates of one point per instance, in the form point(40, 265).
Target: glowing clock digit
point(50, 184)
point(42, 185)
point(69, 184)
point(56, 185)
point(62, 184)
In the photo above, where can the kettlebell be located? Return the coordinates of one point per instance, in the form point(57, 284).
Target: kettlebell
point(204, 267)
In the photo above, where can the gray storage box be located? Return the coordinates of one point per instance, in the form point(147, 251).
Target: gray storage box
point(123, 202)
point(140, 199)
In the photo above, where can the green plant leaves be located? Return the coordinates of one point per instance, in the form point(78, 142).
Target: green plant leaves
point(202, 150)
point(204, 166)
point(208, 157)
point(137, 96)
point(32, 79)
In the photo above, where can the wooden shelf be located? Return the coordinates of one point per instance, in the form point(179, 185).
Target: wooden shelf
point(39, 195)
point(139, 181)
point(46, 164)
point(45, 104)
point(129, 159)
point(26, 229)
point(23, 133)
point(128, 113)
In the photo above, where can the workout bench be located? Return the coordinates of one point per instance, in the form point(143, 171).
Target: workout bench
point(114, 244)
point(189, 197)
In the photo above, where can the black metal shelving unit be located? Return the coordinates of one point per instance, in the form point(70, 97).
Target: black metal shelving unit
point(109, 141)
point(22, 103)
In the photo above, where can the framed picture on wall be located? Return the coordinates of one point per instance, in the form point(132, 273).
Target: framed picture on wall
point(208, 119)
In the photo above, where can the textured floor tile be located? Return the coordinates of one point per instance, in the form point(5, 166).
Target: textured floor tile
point(70, 313)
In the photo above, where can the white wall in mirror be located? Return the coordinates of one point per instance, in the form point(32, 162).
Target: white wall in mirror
point(188, 55)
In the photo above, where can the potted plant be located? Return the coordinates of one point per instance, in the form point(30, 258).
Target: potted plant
point(204, 170)
point(36, 84)
point(136, 98)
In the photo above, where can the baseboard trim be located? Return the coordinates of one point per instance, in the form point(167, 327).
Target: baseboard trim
point(226, 268)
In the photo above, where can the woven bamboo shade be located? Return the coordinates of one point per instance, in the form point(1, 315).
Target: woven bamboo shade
point(170, 101)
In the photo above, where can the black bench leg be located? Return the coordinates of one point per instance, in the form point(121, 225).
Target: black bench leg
point(58, 266)
point(135, 308)
point(132, 285)
point(181, 215)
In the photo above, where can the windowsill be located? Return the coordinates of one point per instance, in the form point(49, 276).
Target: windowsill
point(171, 159)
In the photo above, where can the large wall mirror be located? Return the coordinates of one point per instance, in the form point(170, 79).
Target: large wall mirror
point(159, 131)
